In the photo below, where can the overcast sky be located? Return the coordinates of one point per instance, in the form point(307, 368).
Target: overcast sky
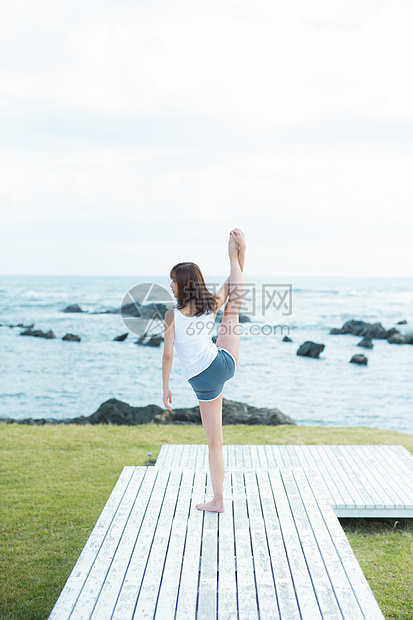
point(135, 134)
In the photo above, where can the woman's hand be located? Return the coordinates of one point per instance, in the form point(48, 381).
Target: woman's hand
point(167, 398)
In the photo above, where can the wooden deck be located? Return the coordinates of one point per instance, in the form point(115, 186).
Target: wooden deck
point(359, 480)
point(278, 551)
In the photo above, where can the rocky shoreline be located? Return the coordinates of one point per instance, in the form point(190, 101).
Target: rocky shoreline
point(114, 411)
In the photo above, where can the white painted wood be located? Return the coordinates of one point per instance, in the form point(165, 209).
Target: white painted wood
point(247, 603)
point(70, 593)
point(303, 586)
point(168, 591)
point(227, 587)
point(188, 587)
point(287, 603)
point(359, 583)
point(113, 581)
point(207, 604)
point(265, 587)
point(134, 575)
point(93, 583)
point(332, 587)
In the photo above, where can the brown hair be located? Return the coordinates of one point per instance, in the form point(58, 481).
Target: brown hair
point(191, 286)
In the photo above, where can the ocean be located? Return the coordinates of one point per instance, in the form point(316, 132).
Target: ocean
point(43, 378)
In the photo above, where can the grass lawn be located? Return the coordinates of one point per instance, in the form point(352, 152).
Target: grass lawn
point(55, 481)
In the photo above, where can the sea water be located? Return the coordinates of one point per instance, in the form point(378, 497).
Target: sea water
point(43, 378)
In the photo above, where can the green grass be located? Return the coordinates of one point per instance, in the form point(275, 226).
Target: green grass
point(55, 481)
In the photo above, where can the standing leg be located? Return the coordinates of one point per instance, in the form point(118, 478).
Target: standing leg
point(211, 415)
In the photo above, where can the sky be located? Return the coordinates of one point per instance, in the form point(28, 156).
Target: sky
point(135, 134)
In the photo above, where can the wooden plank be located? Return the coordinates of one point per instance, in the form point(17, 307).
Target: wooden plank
point(255, 461)
point(393, 482)
point(227, 586)
point(69, 595)
point(168, 591)
point(287, 603)
point(360, 463)
point(139, 557)
point(208, 584)
point(333, 590)
point(303, 586)
point(247, 601)
point(265, 587)
point(355, 575)
point(262, 455)
point(93, 582)
point(112, 584)
point(188, 586)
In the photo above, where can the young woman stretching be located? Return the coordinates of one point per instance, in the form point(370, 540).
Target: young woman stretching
point(206, 365)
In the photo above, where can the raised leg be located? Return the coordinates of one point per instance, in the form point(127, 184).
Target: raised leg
point(229, 330)
point(211, 415)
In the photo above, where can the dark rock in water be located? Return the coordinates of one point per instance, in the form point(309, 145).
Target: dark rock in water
point(71, 338)
point(310, 349)
point(144, 311)
point(286, 339)
point(73, 308)
point(368, 330)
point(38, 333)
point(233, 412)
point(121, 338)
point(366, 343)
point(400, 339)
point(403, 322)
point(25, 326)
point(115, 411)
point(359, 358)
point(149, 341)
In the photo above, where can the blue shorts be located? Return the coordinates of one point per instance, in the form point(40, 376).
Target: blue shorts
point(209, 384)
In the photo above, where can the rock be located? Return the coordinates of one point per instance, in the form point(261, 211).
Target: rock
point(115, 411)
point(71, 338)
point(38, 333)
point(366, 343)
point(286, 339)
point(310, 349)
point(397, 339)
point(233, 412)
point(368, 330)
point(121, 338)
point(359, 358)
point(73, 308)
point(150, 341)
point(403, 322)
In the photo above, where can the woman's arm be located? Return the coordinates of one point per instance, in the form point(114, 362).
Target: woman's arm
point(167, 358)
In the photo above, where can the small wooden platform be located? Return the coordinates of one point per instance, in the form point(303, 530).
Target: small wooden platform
point(359, 480)
point(278, 551)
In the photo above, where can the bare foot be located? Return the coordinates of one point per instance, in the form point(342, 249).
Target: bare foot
point(232, 247)
point(212, 506)
point(239, 237)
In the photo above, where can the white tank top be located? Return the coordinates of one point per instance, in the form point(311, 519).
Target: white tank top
point(193, 343)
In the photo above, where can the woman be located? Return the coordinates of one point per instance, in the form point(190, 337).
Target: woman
point(207, 366)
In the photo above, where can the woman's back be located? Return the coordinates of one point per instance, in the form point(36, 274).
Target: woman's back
point(193, 343)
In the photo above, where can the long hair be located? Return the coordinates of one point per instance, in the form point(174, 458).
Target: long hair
point(192, 287)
